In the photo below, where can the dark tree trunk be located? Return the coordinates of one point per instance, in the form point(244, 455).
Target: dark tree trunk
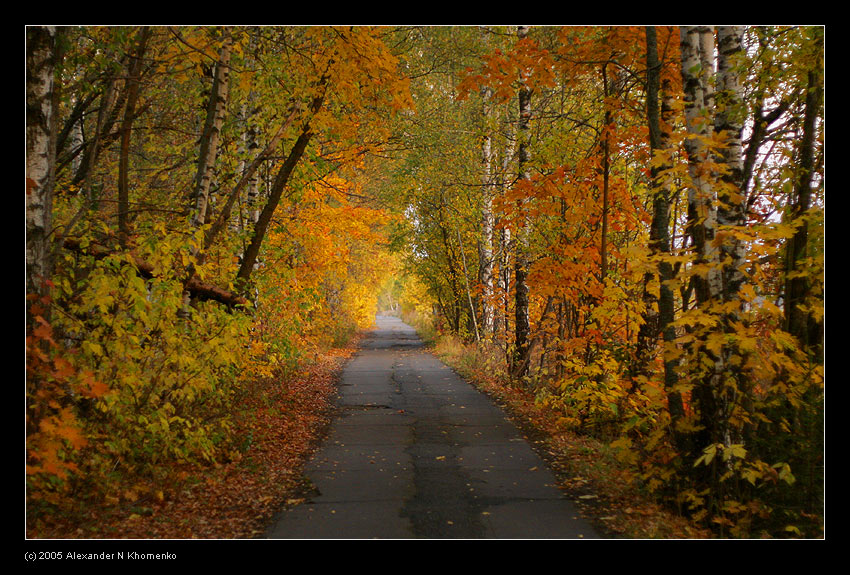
point(522, 327)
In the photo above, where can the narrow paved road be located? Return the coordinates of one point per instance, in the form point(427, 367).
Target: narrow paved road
point(419, 453)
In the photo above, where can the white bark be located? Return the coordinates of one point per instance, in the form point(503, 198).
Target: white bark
point(248, 210)
point(697, 48)
point(216, 110)
point(40, 159)
point(732, 210)
point(485, 254)
point(212, 131)
point(76, 142)
point(503, 280)
point(729, 121)
point(716, 202)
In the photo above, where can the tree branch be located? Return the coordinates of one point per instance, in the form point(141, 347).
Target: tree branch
point(198, 289)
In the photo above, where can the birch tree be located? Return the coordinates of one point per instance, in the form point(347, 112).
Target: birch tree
point(41, 153)
point(216, 110)
point(717, 208)
point(485, 252)
point(209, 144)
point(697, 64)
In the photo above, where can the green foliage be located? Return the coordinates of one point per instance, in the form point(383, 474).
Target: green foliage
point(159, 387)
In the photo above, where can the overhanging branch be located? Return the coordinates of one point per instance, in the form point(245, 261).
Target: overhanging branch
point(199, 289)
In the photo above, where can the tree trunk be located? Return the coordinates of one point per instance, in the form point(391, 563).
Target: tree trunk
point(697, 55)
point(659, 234)
point(134, 72)
point(712, 220)
point(110, 104)
point(41, 154)
point(216, 110)
point(248, 178)
point(729, 385)
point(276, 191)
point(485, 250)
point(472, 314)
point(798, 321)
point(501, 321)
point(248, 212)
point(702, 222)
point(522, 327)
point(729, 124)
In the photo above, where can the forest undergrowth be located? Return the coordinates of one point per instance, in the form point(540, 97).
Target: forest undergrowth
point(281, 419)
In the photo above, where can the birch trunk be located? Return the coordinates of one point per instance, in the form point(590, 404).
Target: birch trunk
point(729, 124)
point(249, 144)
point(41, 154)
point(468, 287)
point(111, 101)
point(501, 322)
point(248, 179)
point(697, 54)
point(216, 110)
point(717, 205)
point(249, 212)
point(76, 143)
point(485, 250)
point(702, 222)
point(728, 383)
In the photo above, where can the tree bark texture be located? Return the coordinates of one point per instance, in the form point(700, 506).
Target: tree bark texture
point(522, 327)
point(659, 322)
point(41, 154)
point(216, 111)
point(729, 124)
point(485, 250)
point(717, 206)
point(697, 55)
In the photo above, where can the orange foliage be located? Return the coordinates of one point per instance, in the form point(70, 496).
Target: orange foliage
point(326, 263)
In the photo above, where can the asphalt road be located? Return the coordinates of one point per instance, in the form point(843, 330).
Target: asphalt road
point(417, 452)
